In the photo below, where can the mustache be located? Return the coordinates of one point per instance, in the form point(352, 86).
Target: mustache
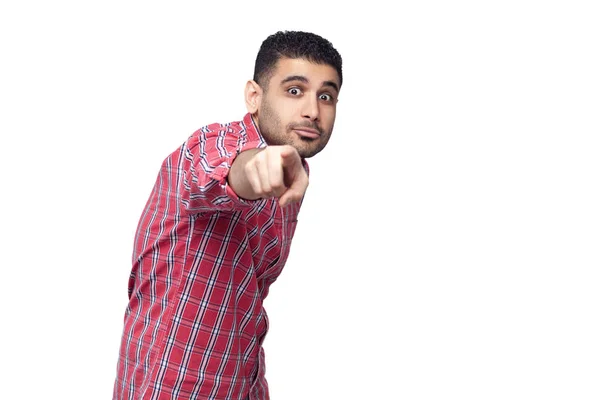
point(305, 125)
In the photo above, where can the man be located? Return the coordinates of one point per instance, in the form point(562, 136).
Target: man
point(216, 232)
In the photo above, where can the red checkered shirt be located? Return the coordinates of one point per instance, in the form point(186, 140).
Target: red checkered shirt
point(202, 264)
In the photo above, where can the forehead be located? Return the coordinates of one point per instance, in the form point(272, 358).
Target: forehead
point(315, 73)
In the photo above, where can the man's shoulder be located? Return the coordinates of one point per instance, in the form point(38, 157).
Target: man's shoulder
point(234, 127)
point(244, 130)
point(228, 127)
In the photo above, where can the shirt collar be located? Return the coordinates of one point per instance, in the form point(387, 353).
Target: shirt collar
point(252, 129)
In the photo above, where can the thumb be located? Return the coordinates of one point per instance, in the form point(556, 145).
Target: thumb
point(289, 156)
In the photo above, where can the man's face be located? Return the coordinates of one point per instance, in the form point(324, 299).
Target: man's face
point(298, 106)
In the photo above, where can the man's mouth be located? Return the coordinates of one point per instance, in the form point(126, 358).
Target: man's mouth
point(308, 133)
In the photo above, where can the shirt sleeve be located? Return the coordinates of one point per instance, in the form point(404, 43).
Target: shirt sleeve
point(207, 157)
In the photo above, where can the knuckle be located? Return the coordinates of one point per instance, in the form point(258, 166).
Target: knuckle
point(266, 188)
point(277, 185)
point(249, 168)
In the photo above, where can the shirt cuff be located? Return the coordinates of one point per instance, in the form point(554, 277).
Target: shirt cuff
point(222, 171)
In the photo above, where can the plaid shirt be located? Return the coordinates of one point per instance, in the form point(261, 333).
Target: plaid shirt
point(202, 264)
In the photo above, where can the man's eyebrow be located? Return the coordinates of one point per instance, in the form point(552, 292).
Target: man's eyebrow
point(332, 84)
point(303, 79)
point(294, 78)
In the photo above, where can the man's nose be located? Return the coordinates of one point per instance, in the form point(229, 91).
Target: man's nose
point(311, 108)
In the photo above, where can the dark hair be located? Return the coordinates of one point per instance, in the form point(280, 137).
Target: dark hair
point(294, 44)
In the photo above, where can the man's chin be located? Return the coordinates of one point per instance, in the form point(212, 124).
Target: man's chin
point(308, 148)
point(307, 152)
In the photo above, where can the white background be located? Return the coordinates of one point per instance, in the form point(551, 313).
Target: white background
point(448, 247)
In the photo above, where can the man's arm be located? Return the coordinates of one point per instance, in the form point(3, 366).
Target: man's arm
point(273, 171)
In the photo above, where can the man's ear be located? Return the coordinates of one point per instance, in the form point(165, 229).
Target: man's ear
point(252, 95)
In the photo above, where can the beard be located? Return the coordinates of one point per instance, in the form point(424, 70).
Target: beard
point(275, 134)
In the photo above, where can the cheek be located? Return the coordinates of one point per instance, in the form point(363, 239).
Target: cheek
point(288, 110)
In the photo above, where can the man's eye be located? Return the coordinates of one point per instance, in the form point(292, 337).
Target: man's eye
point(326, 97)
point(294, 91)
